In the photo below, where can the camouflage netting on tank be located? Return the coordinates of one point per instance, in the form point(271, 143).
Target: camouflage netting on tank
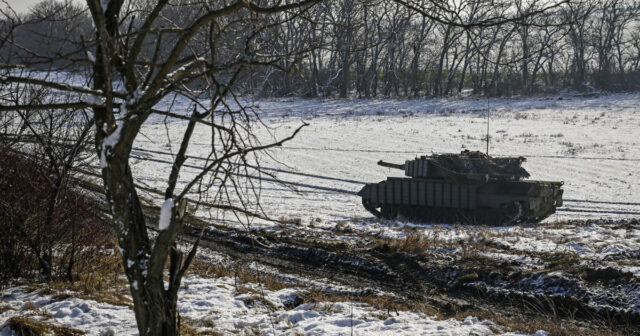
point(468, 162)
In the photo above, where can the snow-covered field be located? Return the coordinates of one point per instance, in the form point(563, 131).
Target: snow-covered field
point(216, 305)
point(590, 143)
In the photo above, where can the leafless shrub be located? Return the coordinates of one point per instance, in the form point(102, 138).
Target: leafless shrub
point(77, 232)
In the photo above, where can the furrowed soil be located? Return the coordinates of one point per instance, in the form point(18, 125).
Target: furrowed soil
point(572, 298)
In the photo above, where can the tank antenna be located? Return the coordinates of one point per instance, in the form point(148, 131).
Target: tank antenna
point(488, 119)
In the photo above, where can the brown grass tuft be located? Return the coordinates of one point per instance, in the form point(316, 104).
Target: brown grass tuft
point(521, 323)
point(102, 282)
point(200, 327)
point(244, 274)
point(256, 299)
point(29, 305)
point(295, 221)
point(29, 327)
point(4, 308)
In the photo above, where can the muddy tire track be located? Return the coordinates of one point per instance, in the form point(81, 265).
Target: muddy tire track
point(449, 283)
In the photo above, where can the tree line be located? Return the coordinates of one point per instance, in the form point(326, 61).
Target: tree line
point(373, 48)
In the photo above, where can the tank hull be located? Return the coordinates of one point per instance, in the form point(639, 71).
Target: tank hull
point(447, 201)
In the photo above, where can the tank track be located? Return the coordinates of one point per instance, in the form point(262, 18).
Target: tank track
point(510, 215)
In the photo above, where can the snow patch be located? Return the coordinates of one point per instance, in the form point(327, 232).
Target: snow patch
point(91, 57)
point(92, 99)
point(165, 214)
point(105, 4)
point(108, 143)
point(217, 300)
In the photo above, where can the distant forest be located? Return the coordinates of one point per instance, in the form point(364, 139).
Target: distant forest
point(360, 48)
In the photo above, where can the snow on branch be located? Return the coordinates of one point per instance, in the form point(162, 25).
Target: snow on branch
point(109, 143)
point(165, 214)
point(105, 5)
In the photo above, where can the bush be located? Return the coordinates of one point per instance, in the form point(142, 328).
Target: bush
point(62, 233)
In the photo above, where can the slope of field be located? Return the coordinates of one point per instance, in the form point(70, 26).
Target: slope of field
point(222, 306)
point(592, 144)
point(586, 255)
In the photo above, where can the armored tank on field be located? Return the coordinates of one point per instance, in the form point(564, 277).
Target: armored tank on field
point(467, 188)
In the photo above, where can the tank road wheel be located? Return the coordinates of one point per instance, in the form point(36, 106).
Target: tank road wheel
point(447, 216)
point(487, 216)
point(479, 217)
point(404, 213)
point(409, 213)
point(459, 216)
point(389, 211)
point(427, 215)
point(512, 212)
point(371, 208)
point(439, 216)
point(453, 216)
point(420, 214)
point(466, 217)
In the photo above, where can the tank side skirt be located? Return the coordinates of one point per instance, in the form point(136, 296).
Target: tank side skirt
point(455, 196)
point(446, 195)
point(432, 194)
point(405, 188)
point(430, 200)
point(414, 193)
point(439, 195)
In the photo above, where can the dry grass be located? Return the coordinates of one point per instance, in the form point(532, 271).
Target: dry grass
point(105, 284)
point(29, 305)
point(244, 274)
point(4, 308)
point(201, 327)
point(386, 303)
point(443, 310)
point(419, 241)
point(342, 228)
point(295, 221)
point(470, 255)
point(521, 323)
point(561, 261)
point(102, 283)
point(413, 242)
point(29, 327)
point(242, 289)
point(257, 299)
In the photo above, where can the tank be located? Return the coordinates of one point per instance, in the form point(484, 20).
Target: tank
point(467, 188)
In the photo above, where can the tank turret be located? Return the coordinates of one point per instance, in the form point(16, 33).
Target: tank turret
point(466, 167)
point(470, 187)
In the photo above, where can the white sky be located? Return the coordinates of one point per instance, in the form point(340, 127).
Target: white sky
point(22, 6)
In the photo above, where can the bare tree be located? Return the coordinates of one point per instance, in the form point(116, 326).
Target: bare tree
point(132, 72)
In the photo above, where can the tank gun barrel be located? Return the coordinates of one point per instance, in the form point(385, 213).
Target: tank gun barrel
point(391, 165)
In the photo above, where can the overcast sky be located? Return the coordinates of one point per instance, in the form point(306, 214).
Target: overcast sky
point(21, 6)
